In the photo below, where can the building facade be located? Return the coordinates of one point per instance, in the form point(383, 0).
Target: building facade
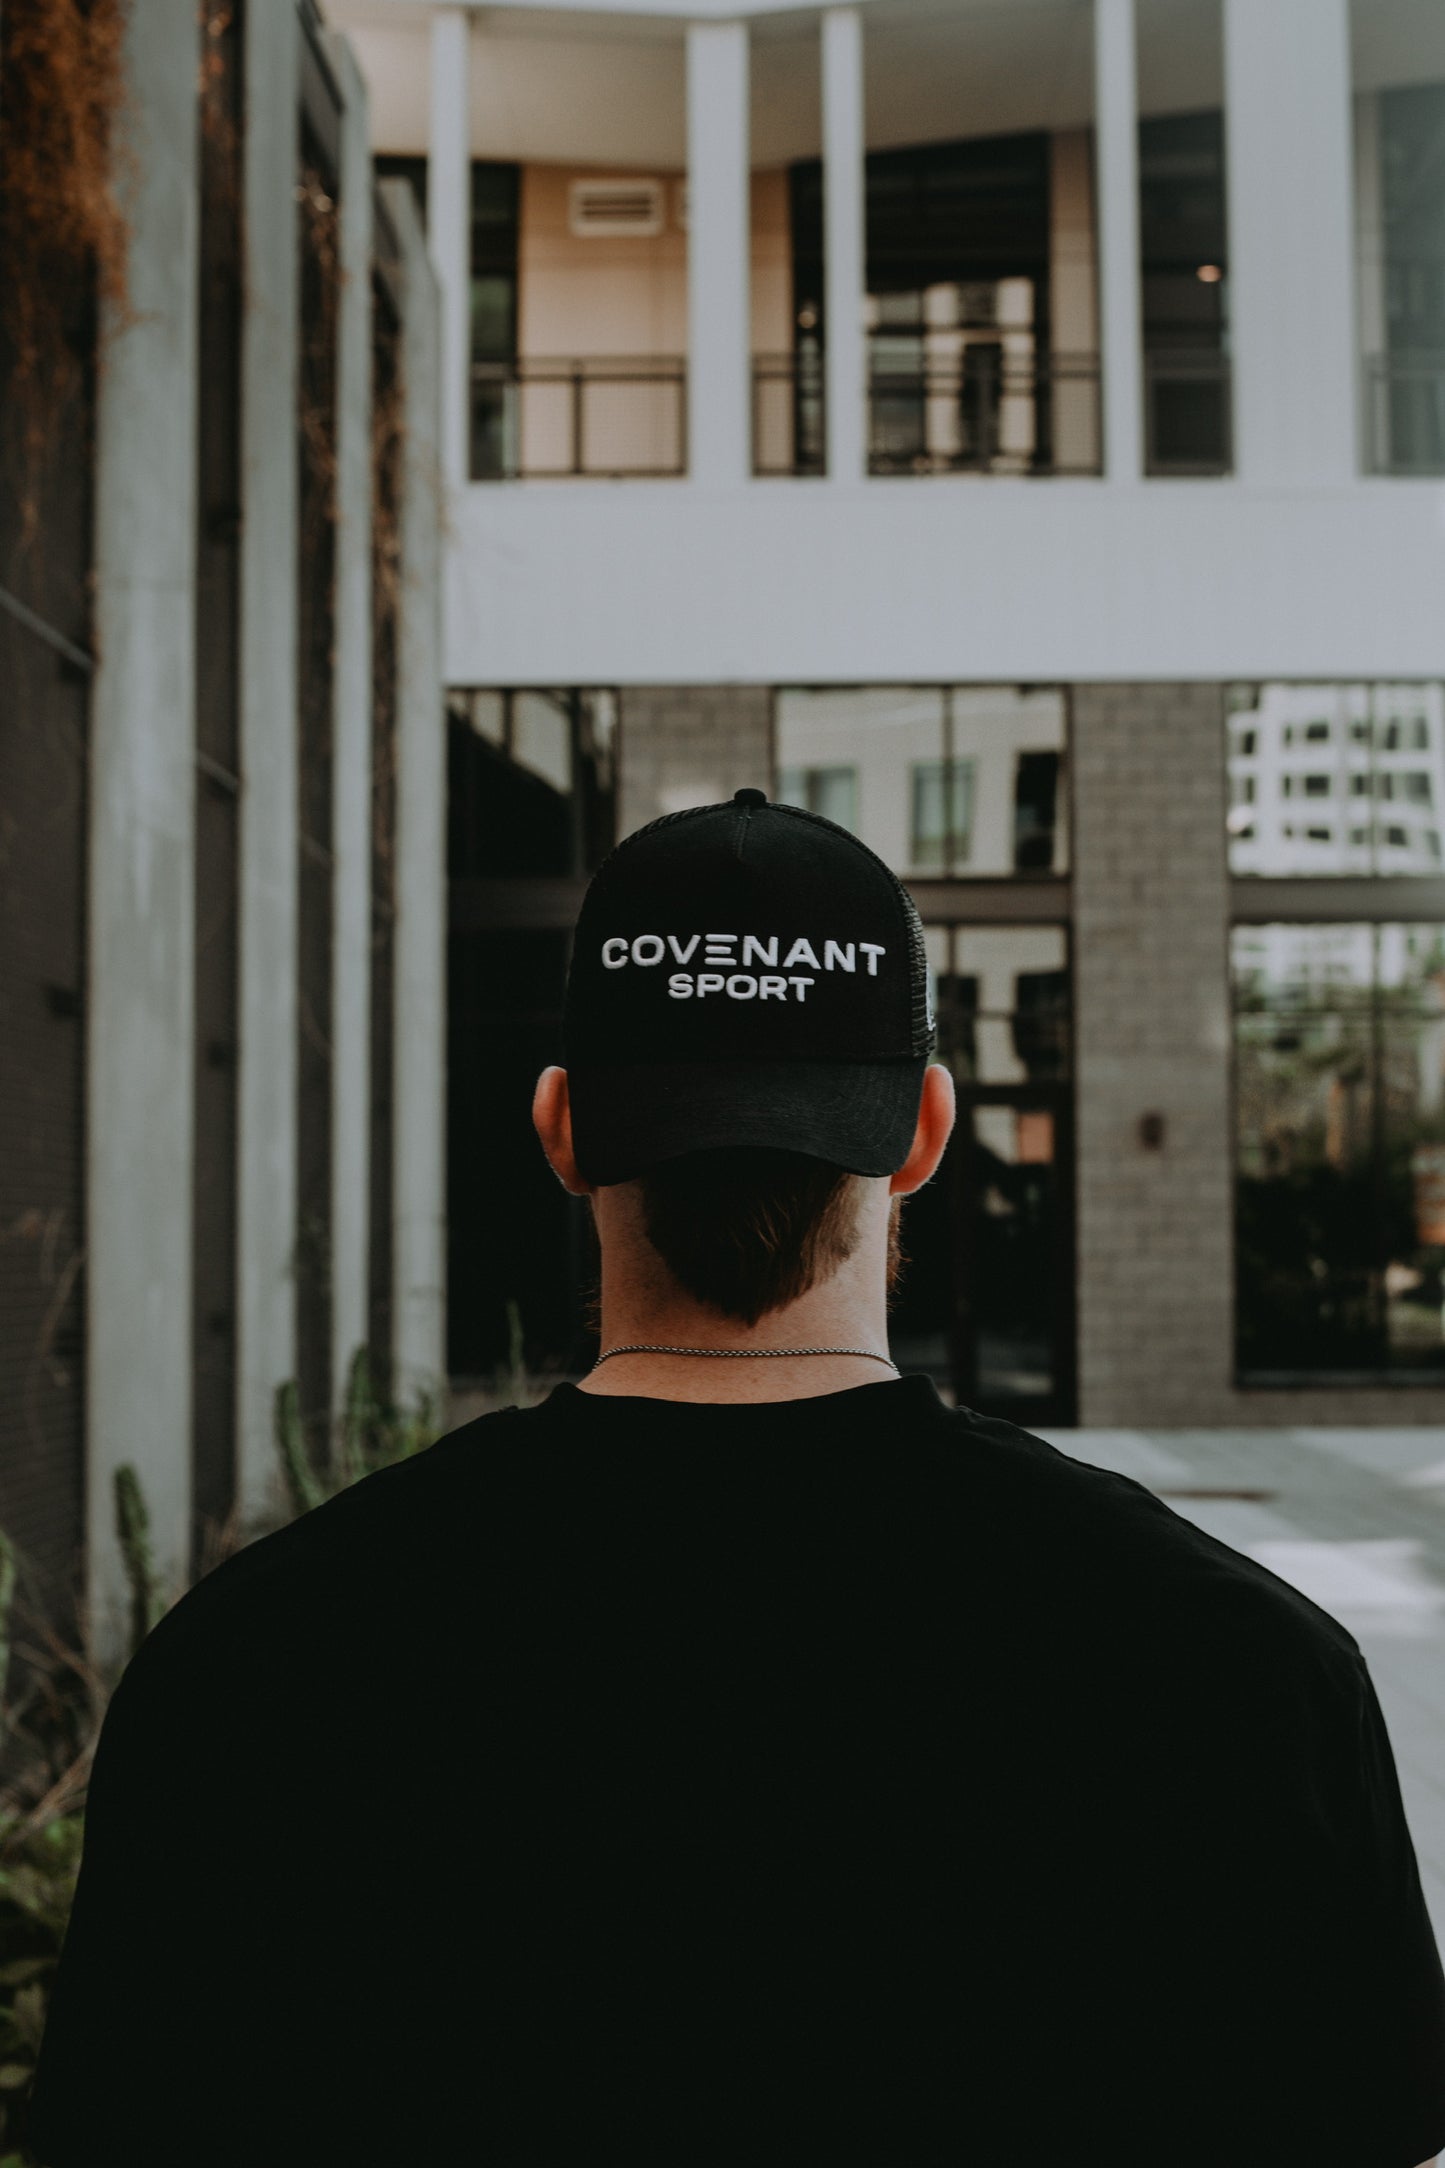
point(222, 774)
point(1017, 433)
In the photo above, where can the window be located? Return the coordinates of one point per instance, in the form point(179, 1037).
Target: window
point(495, 213)
point(1362, 748)
point(1001, 996)
point(833, 792)
point(1339, 1035)
point(1036, 788)
point(1003, 811)
point(1184, 260)
point(1399, 109)
point(942, 800)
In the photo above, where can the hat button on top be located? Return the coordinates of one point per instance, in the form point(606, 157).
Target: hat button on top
point(750, 797)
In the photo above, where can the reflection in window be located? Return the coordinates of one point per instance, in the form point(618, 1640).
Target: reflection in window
point(1381, 742)
point(942, 813)
point(1001, 996)
point(531, 780)
point(833, 792)
point(1340, 1148)
point(949, 779)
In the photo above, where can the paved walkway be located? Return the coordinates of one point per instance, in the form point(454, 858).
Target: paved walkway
point(1356, 1520)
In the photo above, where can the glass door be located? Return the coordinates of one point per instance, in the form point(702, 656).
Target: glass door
point(1011, 1186)
point(985, 1303)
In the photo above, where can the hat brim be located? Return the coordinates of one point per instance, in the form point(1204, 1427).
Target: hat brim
point(629, 1116)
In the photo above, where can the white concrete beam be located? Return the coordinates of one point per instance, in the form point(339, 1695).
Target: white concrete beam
point(845, 269)
point(140, 1016)
point(269, 842)
point(718, 311)
point(1116, 134)
point(1291, 240)
point(419, 1045)
point(352, 700)
point(449, 227)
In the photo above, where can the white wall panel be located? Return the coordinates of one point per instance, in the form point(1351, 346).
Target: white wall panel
point(789, 581)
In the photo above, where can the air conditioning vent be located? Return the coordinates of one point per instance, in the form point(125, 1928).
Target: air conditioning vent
point(606, 209)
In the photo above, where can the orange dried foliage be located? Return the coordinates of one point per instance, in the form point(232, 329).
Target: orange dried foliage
point(62, 226)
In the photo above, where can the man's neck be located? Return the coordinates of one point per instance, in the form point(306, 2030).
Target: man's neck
point(849, 1312)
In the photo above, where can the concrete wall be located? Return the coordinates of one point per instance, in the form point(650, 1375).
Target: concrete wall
point(140, 903)
point(628, 295)
point(683, 745)
point(266, 1176)
point(944, 579)
point(419, 1038)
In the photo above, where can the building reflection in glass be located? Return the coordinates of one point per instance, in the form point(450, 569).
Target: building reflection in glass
point(954, 779)
point(1336, 779)
point(1340, 1128)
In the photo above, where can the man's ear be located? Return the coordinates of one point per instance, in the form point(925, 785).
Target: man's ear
point(935, 1125)
point(552, 1120)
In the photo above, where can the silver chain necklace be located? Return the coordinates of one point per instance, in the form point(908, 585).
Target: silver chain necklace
point(649, 1347)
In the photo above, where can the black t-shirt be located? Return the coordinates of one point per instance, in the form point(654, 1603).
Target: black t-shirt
point(846, 1779)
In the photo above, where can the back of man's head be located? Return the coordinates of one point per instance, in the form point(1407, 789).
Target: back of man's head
point(747, 1027)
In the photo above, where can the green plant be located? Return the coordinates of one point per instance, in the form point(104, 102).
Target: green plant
point(133, 1527)
point(371, 1431)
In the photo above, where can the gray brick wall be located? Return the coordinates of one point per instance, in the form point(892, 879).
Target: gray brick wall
point(691, 745)
point(1151, 992)
point(1153, 1036)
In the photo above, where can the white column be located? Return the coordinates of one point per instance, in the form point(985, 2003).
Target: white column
point(719, 360)
point(1287, 132)
point(419, 1043)
point(845, 274)
point(266, 1081)
point(449, 226)
point(1116, 133)
point(1370, 258)
point(352, 697)
point(141, 906)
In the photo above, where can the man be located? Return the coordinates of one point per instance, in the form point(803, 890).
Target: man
point(742, 1756)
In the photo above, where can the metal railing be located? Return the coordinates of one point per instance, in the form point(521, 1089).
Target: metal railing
point(985, 411)
point(788, 413)
point(610, 417)
point(1405, 412)
point(1188, 419)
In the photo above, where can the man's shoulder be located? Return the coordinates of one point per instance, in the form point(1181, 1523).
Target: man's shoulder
point(297, 1577)
point(1122, 1539)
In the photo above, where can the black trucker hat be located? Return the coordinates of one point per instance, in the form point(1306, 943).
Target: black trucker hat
point(749, 974)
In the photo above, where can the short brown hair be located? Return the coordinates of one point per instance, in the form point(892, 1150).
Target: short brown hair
point(748, 1230)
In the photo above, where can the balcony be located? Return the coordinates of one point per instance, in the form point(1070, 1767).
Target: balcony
point(984, 411)
point(614, 418)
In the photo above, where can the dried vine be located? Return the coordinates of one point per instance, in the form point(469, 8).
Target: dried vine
point(63, 230)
